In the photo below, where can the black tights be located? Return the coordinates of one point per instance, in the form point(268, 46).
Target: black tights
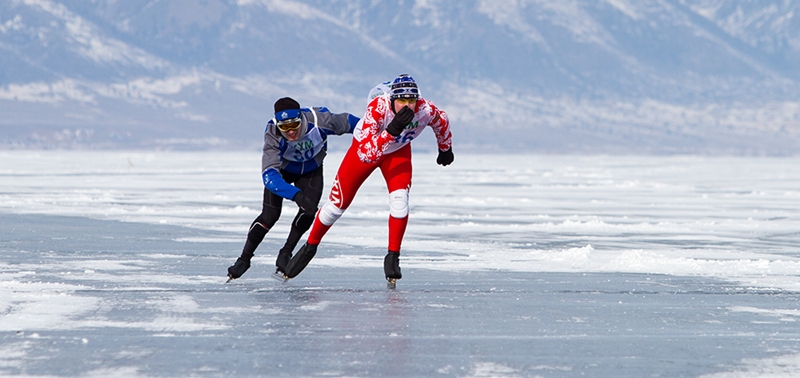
point(311, 185)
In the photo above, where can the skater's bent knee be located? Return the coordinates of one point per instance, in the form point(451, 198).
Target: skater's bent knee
point(329, 214)
point(304, 222)
point(259, 225)
point(398, 203)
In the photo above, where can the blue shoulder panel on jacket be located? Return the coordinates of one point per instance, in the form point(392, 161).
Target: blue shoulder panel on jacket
point(353, 121)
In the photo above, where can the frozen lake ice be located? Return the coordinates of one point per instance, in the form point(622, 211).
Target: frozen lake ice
point(113, 263)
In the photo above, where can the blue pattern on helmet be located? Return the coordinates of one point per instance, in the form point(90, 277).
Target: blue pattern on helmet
point(404, 86)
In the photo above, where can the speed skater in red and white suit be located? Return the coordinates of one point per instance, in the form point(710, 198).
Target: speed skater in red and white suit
point(381, 141)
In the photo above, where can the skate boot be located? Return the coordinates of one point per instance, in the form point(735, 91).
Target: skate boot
point(391, 267)
point(284, 256)
point(300, 260)
point(237, 269)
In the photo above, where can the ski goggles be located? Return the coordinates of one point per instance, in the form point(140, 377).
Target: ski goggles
point(406, 101)
point(289, 124)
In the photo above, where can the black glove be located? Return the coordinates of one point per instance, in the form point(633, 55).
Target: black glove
point(400, 121)
point(305, 203)
point(445, 157)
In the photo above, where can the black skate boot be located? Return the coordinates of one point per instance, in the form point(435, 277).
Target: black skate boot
point(284, 256)
point(237, 269)
point(300, 260)
point(391, 267)
point(254, 238)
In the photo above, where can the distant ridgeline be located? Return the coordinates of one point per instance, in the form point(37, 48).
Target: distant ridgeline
point(708, 77)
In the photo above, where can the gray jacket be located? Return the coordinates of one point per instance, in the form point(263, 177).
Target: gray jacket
point(305, 154)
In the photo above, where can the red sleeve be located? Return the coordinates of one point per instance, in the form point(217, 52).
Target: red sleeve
point(441, 127)
point(373, 138)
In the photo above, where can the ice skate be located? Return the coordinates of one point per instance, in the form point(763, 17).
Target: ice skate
point(237, 269)
point(284, 256)
point(280, 276)
point(391, 267)
point(300, 260)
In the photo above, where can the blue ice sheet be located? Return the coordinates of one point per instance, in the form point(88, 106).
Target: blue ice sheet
point(84, 297)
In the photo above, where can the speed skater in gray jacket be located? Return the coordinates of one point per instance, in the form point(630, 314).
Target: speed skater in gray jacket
point(295, 145)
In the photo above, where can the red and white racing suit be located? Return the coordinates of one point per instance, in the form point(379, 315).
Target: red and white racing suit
point(373, 148)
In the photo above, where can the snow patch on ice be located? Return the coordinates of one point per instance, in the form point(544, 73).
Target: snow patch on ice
point(317, 306)
point(40, 305)
point(125, 371)
point(491, 369)
point(787, 366)
point(12, 354)
point(785, 314)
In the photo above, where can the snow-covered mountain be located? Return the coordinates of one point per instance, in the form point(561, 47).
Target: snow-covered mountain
point(612, 76)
